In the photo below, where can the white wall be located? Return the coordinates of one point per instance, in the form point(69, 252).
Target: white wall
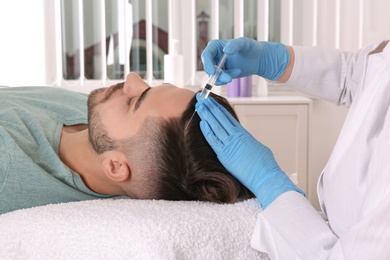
point(22, 56)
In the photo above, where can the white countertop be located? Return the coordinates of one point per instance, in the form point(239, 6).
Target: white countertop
point(286, 99)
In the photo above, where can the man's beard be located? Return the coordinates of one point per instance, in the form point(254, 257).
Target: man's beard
point(97, 135)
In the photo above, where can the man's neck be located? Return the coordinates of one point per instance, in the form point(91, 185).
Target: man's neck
point(76, 152)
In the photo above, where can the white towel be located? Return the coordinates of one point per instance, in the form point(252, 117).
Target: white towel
point(131, 229)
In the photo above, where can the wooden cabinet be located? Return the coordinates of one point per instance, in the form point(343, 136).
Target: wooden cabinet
point(281, 123)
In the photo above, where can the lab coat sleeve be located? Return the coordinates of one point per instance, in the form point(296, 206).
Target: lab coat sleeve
point(290, 228)
point(328, 74)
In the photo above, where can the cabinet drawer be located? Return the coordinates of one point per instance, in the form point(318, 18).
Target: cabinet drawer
point(284, 129)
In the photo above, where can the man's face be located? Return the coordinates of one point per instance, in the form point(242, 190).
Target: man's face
point(120, 110)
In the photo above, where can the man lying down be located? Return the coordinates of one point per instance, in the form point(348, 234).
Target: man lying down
point(126, 140)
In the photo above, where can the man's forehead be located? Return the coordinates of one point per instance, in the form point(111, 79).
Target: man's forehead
point(171, 97)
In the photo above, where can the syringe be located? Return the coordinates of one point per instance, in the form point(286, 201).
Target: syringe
point(213, 78)
point(210, 83)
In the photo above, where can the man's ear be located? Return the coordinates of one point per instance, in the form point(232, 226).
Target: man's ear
point(115, 166)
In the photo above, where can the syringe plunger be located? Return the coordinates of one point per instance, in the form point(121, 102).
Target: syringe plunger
point(205, 91)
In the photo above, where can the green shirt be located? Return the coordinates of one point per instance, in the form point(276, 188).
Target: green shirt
point(31, 172)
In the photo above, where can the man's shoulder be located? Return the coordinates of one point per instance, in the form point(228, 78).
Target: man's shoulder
point(63, 105)
point(41, 97)
point(43, 91)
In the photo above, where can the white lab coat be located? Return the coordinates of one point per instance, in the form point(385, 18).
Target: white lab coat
point(354, 188)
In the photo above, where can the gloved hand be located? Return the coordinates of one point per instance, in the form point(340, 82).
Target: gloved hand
point(245, 57)
point(252, 163)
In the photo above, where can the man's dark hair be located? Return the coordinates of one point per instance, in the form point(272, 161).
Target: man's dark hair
point(183, 165)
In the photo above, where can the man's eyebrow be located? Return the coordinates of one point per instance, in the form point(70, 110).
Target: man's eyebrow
point(140, 99)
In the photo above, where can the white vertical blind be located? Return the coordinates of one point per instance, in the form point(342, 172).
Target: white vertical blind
point(332, 23)
point(56, 5)
point(215, 19)
point(103, 62)
point(238, 18)
point(361, 22)
point(174, 23)
point(126, 30)
point(189, 39)
point(262, 20)
point(287, 21)
point(81, 42)
point(149, 43)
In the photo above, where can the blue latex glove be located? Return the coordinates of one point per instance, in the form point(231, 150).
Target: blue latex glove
point(252, 163)
point(245, 57)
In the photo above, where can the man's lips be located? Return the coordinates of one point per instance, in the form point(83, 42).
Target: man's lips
point(111, 88)
point(108, 90)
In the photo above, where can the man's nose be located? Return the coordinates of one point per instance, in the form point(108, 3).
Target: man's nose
point(134, 85)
